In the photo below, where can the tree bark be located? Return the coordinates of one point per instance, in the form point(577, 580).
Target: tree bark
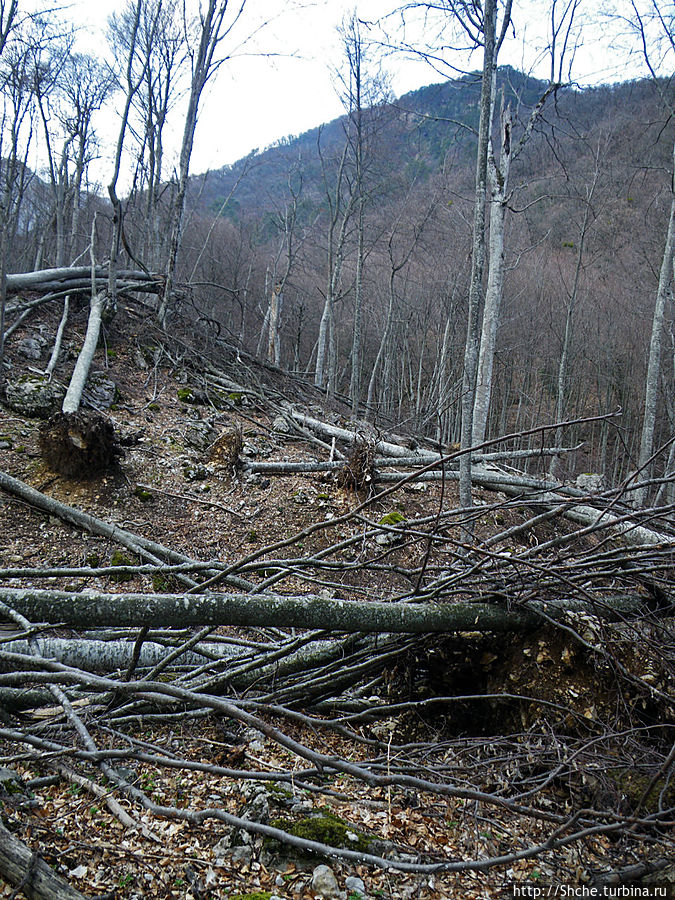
point(71, 402)
point(488, 28)
point(29, 873)
point(654, 362)
point(92, 609)
point(106, 656)
point(499, 178)
point(72, 278)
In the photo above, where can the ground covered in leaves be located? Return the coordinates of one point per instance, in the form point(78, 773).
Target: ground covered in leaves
point(533, 718)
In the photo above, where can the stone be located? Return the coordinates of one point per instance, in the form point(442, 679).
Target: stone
point(196, 472)
point(241, 855)
point(355, 885)
point(99, 392)
point(35, 396)
point(590, 482)
point(324, 883)
point(200, 434)
point(30, 347)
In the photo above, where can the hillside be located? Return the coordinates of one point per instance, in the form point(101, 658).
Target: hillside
point(450, 764)
point(417, 129)
point(598, 156)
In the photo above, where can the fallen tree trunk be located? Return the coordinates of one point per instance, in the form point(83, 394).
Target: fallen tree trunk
point(625, 527)
point(287, 467)
point(29, 873)
point(105, 656)
point(91, 609)
point(78, 277)
point(71, 402)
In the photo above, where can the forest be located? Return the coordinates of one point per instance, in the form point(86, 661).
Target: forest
point(337, 483)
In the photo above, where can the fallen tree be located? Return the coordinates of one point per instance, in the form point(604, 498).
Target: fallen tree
point(88, 609)
point(29, 873)
point(76, 278)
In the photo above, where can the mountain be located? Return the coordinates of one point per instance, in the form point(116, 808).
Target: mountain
point(417, 131)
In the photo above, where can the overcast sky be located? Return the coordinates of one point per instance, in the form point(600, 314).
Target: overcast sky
point(258, 99)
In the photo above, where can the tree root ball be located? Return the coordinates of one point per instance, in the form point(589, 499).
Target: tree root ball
point(358, 472)
point(79, 444)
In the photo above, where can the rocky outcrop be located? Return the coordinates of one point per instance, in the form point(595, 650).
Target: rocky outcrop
point(34, 396)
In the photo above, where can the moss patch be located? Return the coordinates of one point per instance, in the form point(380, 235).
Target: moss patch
point(186, 395)
point(256, 895)
point(120, 559)
point(392, 518)
point(328, 829)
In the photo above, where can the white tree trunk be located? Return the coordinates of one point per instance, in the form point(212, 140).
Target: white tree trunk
point(654, 363)
point(71, 402)
point(499, 178)
point(477, 252)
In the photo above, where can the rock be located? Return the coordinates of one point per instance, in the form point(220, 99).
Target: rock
point(388, 539)
point(140, 360)
point(590, 482)
point(325, 883)
point(34, 396)
point(355, 885)
point(9, 777)
point(200, 434)
point(30, 347)
point(99, 392)
point(196, 472)
point(256, 807)
point(241, 855)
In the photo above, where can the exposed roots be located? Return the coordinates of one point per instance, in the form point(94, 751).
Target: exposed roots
point(79, 444)
point(359, 471)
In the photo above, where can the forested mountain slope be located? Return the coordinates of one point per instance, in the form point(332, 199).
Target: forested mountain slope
point(586, 220)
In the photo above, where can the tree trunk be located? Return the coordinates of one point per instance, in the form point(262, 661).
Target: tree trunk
point(71, 402)
point(29, 873)
point(88, 610)
point(477, 252)
point(654, 363)
point(499, 177)
point(211, 21)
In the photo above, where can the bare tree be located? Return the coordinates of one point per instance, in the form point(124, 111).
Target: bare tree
point(339, 206)
point(482, 29)
point(362, 90)
point(215, 24)
point(17, 131)
point(133, 80)
point(159, 54)
point(661, 23)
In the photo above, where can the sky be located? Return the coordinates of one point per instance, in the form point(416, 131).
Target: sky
point(282, 81)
